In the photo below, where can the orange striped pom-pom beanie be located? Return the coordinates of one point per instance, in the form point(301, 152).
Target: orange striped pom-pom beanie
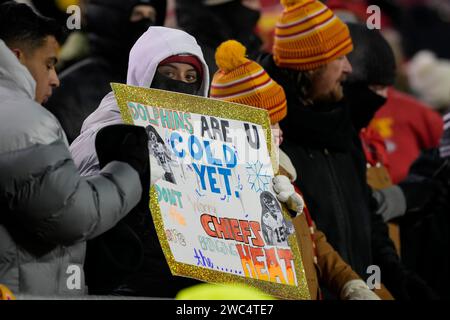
point(308, 35)
point(244, 81)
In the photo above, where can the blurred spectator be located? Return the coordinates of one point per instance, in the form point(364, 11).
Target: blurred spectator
point(373, 71)
point(112, 27)
point(408, 127)
point(366, 89)
point(429, 78)
point(444, 147)
point(55, 9)
point(423, 25)
point(47, 210)
point(405, 132)
point(420, 201)
point(166, 59)
point(356, 11)
point(76, 46)
point(270, 10)
point(212, 22)
point(425, 228)
point(349, 10)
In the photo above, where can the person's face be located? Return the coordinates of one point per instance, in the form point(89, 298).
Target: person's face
point(179, 71)
point(266, 217)
point(142, 11)
point(271, 205)
point(277, 133)
point(41, 64)
point(327, 82)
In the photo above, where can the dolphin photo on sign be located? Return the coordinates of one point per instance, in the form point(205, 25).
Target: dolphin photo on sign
point(216, 215)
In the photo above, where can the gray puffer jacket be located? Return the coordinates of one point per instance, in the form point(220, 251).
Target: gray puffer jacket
point(47, 211)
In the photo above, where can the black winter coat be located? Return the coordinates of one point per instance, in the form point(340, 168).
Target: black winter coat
point(128, 259)
point(83, 86)
point(425, 229)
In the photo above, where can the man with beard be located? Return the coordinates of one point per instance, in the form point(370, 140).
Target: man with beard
point(112, 26)
point(309, 61)
point(243, 81)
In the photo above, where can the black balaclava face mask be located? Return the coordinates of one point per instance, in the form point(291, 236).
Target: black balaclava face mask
point(245, 20)
point(241, 19)
point(162, 82)
point(363, 102)
point(134, 30)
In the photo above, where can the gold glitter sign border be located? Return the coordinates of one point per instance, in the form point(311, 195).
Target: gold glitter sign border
point(227, 110)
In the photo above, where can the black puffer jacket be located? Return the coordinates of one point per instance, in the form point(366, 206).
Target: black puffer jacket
point(111, 36)
point(326, 151)
point(47, 211)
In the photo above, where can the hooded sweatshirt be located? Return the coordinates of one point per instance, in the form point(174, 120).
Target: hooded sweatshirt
point(155, 45)
point(152, 277)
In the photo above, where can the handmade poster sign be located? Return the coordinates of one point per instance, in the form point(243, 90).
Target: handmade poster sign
point(215, 212)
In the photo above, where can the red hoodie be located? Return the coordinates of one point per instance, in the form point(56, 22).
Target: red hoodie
point(408, 127)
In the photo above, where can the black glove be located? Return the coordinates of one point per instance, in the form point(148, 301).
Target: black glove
point(126, 143)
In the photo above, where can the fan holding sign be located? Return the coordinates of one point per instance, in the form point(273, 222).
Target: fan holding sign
point(166, 59)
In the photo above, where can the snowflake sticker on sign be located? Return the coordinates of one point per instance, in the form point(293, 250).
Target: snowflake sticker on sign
point(258, 178)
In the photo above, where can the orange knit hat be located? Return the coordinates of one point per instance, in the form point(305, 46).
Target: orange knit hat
point(243, 81)
point(309, 35)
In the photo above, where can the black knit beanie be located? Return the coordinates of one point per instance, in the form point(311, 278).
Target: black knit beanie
point(372, 59)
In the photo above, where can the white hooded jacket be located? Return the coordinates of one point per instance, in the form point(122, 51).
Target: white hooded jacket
point(155, 45)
